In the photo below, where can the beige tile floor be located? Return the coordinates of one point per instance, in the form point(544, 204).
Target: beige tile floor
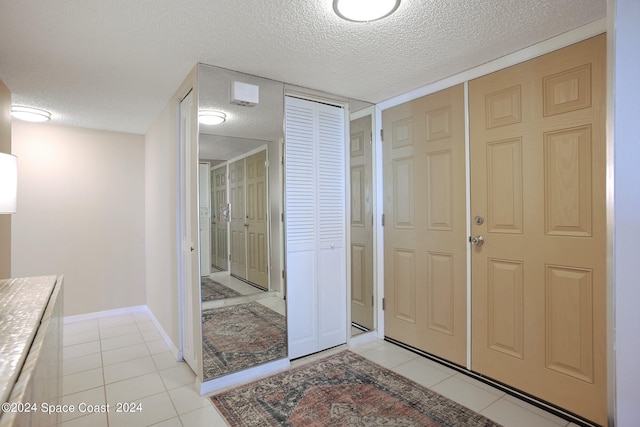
point(122, 359)
point(269, 300)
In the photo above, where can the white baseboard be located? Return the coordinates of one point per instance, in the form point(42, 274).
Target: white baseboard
point(165, 337)
point(237, 378)
point(128, 310)
point(106, 313)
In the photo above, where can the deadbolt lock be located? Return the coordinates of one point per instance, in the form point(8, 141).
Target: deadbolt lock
point(478, 220)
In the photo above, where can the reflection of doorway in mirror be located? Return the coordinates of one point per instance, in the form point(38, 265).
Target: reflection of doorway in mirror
point(219, 222)
point(249, 226)
point(237, 218)
point(361, 226)
point(204, 206)
point(256, 216)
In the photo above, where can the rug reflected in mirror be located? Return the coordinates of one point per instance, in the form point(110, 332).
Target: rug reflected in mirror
point(241, 336)
point(342, 390)
point(211, 290)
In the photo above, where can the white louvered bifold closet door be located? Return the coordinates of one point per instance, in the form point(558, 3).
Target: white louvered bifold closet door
point(315, 226)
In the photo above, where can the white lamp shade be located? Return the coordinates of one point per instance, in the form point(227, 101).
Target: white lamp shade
point(8, 183)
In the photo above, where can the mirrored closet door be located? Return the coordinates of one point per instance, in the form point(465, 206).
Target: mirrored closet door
point(242, 290)
point(361, 221)
point(242, 223)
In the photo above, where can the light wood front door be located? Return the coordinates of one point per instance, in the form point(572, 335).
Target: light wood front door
point(238, 218)
point(425, 227)
point(537, 152)
point(219, 187)
point(256, 213)
point(361, 223)
point(204, 207)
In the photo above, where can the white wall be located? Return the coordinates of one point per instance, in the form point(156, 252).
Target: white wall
point(161, 206)
point(627, 211)
point(81, 213)
point(5, 147)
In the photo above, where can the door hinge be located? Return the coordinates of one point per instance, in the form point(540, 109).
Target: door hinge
point(372, 300)
point(383, 220)
point(382, 135)
point(383, 304)
point(282, 217)
point(229, 257)
point(284, 275)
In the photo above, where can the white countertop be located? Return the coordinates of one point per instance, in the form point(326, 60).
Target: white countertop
point(22, 304)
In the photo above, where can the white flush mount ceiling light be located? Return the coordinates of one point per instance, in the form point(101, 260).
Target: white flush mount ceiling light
point(212, 117)
point(30, 114)
point(364, 10)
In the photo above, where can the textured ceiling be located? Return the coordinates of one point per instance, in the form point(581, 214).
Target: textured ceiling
point(115, 64)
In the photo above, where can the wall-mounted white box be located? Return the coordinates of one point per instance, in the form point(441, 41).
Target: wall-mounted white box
point(244, 94)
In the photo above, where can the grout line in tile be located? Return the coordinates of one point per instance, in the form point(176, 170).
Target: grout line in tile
point(142, 326)
point(104, 380)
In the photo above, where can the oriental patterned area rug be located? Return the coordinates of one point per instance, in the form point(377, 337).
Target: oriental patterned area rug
point(240, 336)
point(212, 290)
point(342, 390)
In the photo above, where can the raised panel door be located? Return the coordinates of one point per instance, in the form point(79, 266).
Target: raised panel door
point(537, 151)
point(204, 207)
point(237, 219)
point(361, 223)
point(256, 219)
point(425, 228)
point(220, 232)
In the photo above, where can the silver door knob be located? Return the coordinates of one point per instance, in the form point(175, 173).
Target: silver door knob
point(477, 240)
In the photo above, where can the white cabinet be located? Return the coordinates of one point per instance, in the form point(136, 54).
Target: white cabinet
point(315, 226)
point(30, 350)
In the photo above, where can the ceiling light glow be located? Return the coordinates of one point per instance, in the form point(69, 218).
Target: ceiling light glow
point(30, 114)
point(364, 10)
point(212, 117)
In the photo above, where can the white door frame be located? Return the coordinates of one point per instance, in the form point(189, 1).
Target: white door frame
point(186, 350)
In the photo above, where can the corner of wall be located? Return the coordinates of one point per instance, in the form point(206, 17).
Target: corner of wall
point(161, 234)
point(5, 147)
